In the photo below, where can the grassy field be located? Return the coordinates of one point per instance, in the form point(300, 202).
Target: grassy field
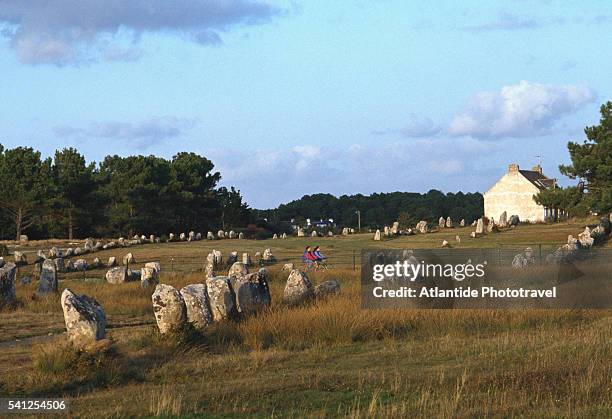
point(327, 358)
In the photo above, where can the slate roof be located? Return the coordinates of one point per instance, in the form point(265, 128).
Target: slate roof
point(538, 179)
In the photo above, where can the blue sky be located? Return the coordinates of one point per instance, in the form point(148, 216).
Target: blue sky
point(290, 98)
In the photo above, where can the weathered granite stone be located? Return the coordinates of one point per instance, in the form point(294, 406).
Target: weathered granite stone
point(84, 317)
point(148, 277)
point(80, 265)
point(8, 274)
point(198, 307)
point(222, 298)
point(20, 258)
point(252, 293)
point(169, 308)
point(48, 277)
point(128, 259)
point(117, 275)
point(298, 288)
point(377, 236)
point(327, 288)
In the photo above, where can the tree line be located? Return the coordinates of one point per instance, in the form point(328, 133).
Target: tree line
point(379, 209)
point(592, 167)
point(64, 196)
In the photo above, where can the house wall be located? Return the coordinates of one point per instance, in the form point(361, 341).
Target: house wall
point(513, 194)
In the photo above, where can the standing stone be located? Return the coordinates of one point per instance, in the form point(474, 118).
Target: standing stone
point(84, 317)
point(37, 268)
point(462, 223)
point(327, 288)
point(23, 239)
point(314, 234)
point(268, 256)
point(69, 252)
point(155, 265)
point(211, 266)
point(330, 234)
point(246, 259)
point(8, 274)
point(232, 234)
point(60, 266)
point(238, 269)
point(585, 238)
point(221, 234)
point(441, 222)
point(77, 251)
point(257, 256)
point(20, 258)
point(449, 222)
point(112, 261)
point(480, 226)
point(445, 243)
point(152, 238)
point(148, 277)
point(241, 236)
point(80, 265)
point(351, 230)
point(191, 236)
point(171, 237)
point(222, 298)
point(169, 308)
point(284, 236)
point(514, 220)
point(491, 227)
point(117, 275)
point(252, 293)
point(198, 307)
point(210, 235)
point(519, 261)
point(345, 231)
point(298, 288)
point(386, 231)
point(198, 236)
point(40, 256)
point(458, 239)
point(422, 227)
point(89, 245)
point(503, 219)
point(275, 236)
point(96, 263)
point(128, 258)
point(54, 252)
point(377, 235)
point(300, 232)
point(182, 237)
point(2, 262)
point(232, 258)
point(395, 228)
point(48, 277)
point(288, 267)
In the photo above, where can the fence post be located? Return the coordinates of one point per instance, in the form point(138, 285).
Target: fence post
point(540, 251)
point(354, 265)
point(171, 264)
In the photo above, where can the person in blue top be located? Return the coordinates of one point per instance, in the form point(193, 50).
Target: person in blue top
point(317, 253)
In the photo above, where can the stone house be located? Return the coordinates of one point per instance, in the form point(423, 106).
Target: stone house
point(514, 193)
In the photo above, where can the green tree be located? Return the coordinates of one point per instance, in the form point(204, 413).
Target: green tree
point(75, 184)
point(25, 187)
point(234, 212)
point(592, 162)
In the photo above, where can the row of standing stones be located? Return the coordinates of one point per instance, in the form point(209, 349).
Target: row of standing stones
point(230, 297)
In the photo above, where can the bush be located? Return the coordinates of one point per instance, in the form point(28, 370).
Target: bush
point(3, 250)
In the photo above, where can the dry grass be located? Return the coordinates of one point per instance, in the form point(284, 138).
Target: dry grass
point(324, 359)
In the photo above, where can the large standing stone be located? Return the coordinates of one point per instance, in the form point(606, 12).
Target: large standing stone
point(503, 219)
point(148, 277)
point(441, 222)
point(422, 227)
point(112, 261)
point(298, 288)
point(462, 223)
point(221, 234)
point(314, 234)
point(84, 317)
point(210, 235)
point(20, 258)
point(40, 256)
point(377, 235)
point(288, 267)
point(480, 226)
point(54, 252)
point(117, 275)
point(48, 277)
point(89, 245)
point(241, 236)
point(395, 228)
point(232, 258)
point(252, 292)
point(128, 258)
point(23, 239)
point(449, 222)
point(169, 308)
point(8, 273)
point(198, 307)
point(345, 231)
point(492, 227)
point(191, 236)
point(300, 232)
point(232, 234)
point(221, 297)
point(268, 256)
point(182, 237)
point(585, 238)
point(274, 236)
point(327, 288)
point(514, 221)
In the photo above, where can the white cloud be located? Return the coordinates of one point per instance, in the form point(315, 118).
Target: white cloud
point(520, 110)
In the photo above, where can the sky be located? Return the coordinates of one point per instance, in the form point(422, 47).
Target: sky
point(289, 98)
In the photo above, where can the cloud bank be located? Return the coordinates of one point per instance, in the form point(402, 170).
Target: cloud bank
point(524, 109)
point(65, 32)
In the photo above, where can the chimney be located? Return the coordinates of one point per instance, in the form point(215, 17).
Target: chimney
point(513, 168)
point(538, 169)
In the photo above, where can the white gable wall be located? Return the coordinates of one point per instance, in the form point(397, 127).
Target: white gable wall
point(513, 193)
